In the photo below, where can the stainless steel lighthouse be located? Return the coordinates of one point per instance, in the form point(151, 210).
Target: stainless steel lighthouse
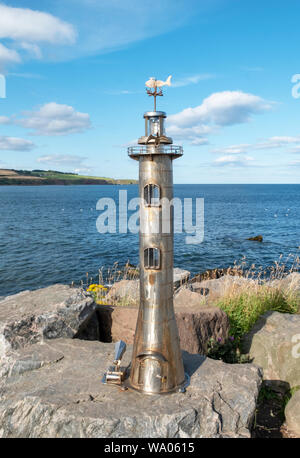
point(156, 365)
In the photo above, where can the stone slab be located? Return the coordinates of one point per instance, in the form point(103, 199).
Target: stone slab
point(65, 397)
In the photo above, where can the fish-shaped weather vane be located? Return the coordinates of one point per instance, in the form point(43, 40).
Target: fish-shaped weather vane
point(154, 84)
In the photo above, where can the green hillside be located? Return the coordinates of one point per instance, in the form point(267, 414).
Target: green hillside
point(53, 177)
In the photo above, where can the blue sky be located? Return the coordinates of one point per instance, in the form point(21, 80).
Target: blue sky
point(75, 73)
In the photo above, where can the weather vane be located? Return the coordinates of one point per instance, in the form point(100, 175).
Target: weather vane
point(154, 84)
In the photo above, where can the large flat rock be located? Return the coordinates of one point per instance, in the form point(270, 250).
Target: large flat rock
point(48, 313)
point(57, 392)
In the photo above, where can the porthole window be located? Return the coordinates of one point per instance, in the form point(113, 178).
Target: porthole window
point(152, 258)
point(152, 195)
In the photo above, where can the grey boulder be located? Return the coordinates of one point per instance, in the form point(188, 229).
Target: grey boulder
point(274, 344)
point(187, 299)
point(289, 284)
point(127, 292)
point(211, 291)
point(180, 276)
point(124, 292)
point(48, 313)
point(292, 414)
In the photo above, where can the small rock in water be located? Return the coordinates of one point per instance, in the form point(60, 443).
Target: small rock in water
point(257, 238)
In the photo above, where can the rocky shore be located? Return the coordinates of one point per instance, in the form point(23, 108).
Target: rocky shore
point(56, 343)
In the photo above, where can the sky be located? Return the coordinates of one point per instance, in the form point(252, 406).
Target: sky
point(75, 73)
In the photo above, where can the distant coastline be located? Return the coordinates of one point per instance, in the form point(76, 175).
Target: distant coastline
point(13, 177)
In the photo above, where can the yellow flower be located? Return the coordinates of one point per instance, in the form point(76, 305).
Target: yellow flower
point(101, 302)
point(94, 288)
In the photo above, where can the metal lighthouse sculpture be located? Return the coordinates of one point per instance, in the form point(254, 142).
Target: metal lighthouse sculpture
point(156, 363)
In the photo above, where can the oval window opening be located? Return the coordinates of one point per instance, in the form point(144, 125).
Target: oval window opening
point(152, 195)
point(152, 258)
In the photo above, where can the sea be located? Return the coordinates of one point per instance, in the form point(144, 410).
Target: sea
point(48, 234)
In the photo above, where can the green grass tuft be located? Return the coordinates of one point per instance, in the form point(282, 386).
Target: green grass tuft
point(244, 309)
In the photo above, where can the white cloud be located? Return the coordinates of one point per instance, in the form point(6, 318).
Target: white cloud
point(23, 28)
point(113, 24)
point(103, 25)
point(128, 144)
point(34, 26)
point(83, 170)
point(222, 109)
point(295, 149)
point(15, 144)
point(61, 159)
point(55, 119)
point(199, 141)
point(233, 160)
point(196, 135)
point(270, 143)
point(4, 120)
point(234, 155)
point(122, 92)
point(8, 56)
point(186, 81)
point(218, 110)
point(277, 142)
point(32, 49)
point(26, 75)
point(233, 149)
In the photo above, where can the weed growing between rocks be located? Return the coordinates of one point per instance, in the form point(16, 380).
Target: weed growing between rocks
point(244, 303)
point(228, 351)
point(106, 278)
point(244, 308)
point(269, 416)
point(98, 292)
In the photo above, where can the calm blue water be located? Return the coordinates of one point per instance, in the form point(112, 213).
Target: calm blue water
point(48, 234)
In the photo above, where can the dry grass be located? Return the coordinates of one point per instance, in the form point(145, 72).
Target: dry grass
point(107, 277)
point(6, 173)
point(243, 301)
